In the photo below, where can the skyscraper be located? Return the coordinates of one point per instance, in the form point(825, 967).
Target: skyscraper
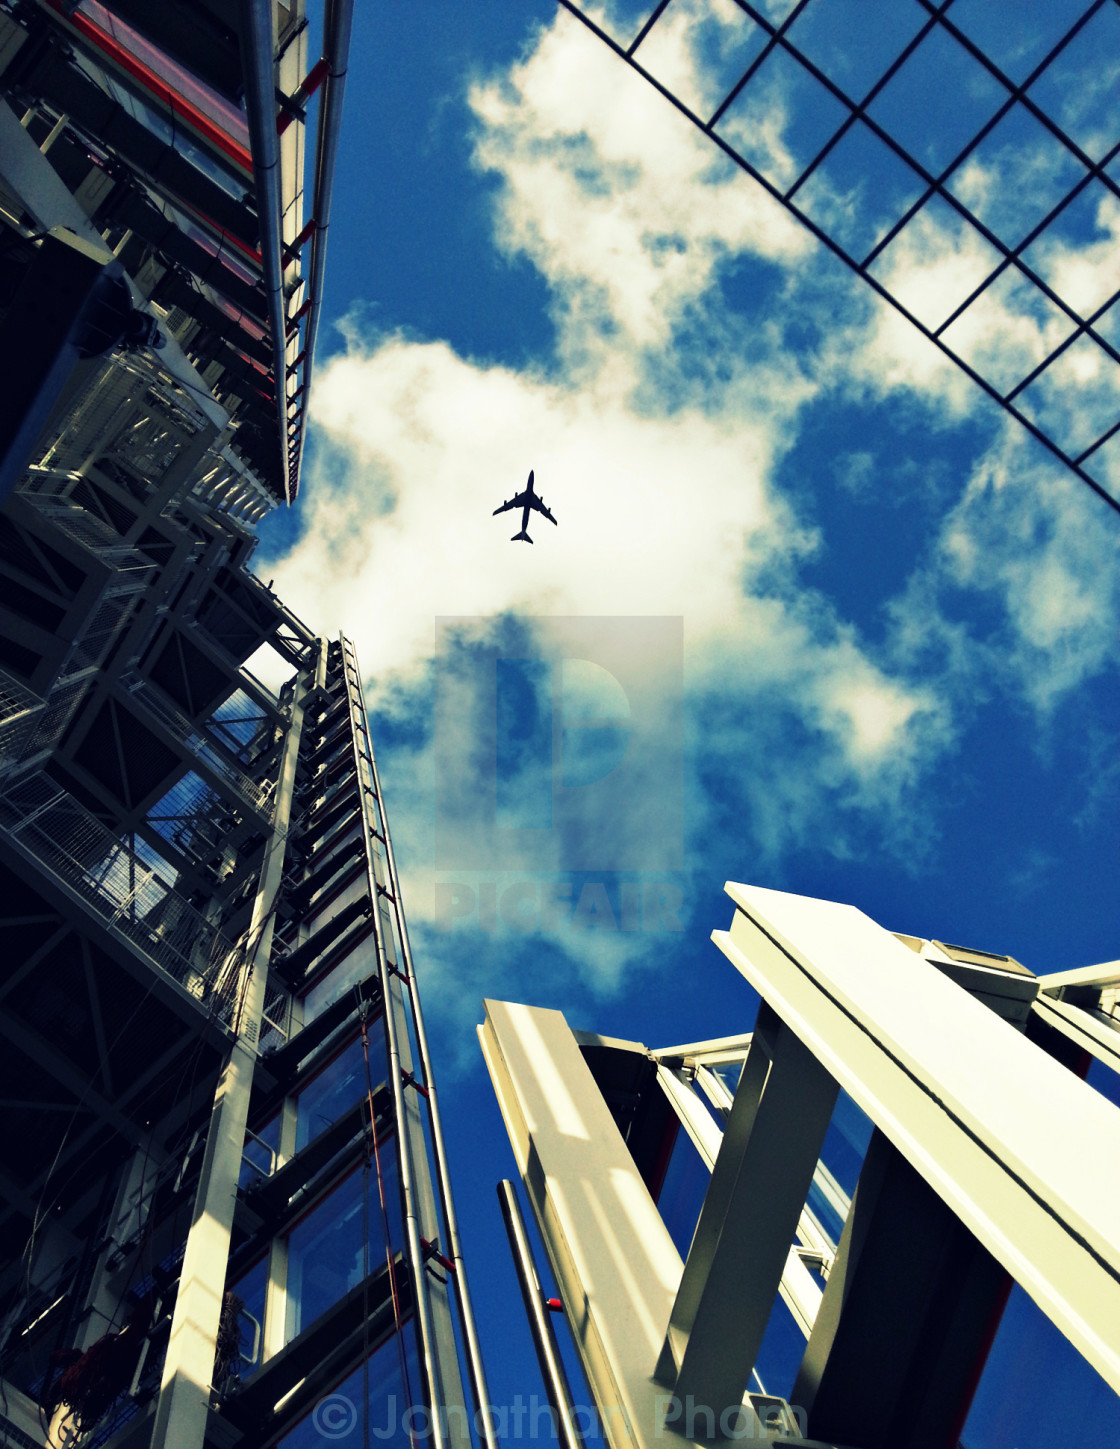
point(227, 1217)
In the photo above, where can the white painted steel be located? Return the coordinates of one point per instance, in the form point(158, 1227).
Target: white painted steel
point(184, 1398)
point(1027, 1155)
point(610, 1252)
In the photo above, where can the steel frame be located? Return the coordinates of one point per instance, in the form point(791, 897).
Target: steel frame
point(938, 19)
point(410, 1097)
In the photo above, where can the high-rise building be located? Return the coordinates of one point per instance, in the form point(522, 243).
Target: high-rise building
point(882, 1215)
point(226, 1214)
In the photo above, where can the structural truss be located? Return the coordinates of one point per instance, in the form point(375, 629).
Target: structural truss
point(962, 157)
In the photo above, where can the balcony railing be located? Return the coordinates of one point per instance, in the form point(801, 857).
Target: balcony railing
point(258, 795)
point(122, 890)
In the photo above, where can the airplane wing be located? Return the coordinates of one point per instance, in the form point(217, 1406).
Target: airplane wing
point(539, 504)
point(516, 502)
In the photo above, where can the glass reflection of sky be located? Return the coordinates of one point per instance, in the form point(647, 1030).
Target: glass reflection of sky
point(373, 1398)
point(683, 1191)
point(339, 1243)
point(1037, 1391)
point(338, 1086)
point(184, 82)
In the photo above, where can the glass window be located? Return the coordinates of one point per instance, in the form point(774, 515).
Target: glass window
point(357, 966)
point(376, 1395)
point(353, 892)
point(1104, 1080)
point(258, 1155)
point(339, 1085)
point(176, 77)
point(683, 1192)
point(235, 314)
point(729, 1074)
point(780, 1353)
point(251, 1288)
point(158, 124)
point(846, 1142)
point(341, 1240)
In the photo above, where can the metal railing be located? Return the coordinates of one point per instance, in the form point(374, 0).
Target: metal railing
point(123, 890)
point(257, 794)
point(20, 708)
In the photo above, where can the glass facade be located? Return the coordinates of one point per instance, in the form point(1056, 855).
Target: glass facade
point(330, 1201)
point(683, 1191)
point(337, 1087)
point(358, 965)
point(374, 1404)
point(341, 1241)
point(1068, 1403)
point(252, 1289)
point(268, 1129)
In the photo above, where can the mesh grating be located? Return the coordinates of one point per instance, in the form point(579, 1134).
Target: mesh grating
point(122, 889)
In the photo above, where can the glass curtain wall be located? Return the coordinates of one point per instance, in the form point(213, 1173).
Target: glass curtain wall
point(344, 1250)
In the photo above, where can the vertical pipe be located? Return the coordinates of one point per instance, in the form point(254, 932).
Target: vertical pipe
point(540, 1325)
point(447, 1203)
point(417, 1266)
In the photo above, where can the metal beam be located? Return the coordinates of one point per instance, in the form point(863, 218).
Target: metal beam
point(1082, 1028)
point(750, 1214)
point(609, 1250)
point(258, 47)
point(443, 1179)
point(188, 1368)
point(540, 1324)
point(337, 20)
point(1025, 1154)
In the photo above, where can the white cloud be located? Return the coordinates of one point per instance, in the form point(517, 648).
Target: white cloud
point(658, 458)
point(620, 202)
point(1031, 539)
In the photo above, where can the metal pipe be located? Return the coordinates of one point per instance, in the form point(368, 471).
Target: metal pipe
point(455, 1251)
point(417, 1266)
point(540, 1324)
point(337, 23)
point(258, 47)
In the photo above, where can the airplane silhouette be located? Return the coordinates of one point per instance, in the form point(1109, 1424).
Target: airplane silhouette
point(526, 500)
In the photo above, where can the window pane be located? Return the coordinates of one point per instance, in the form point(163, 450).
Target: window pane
point(846, 1142)
point(339, 1085)
point(338, 1418)
point(357, 966)
point(341, 1241)
point(251, 1288)
point(256, 1157)
point(683, 1193)
point(1068, 1403)
point(781, 1352)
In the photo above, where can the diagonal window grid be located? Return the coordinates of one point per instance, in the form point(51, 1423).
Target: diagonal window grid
point(975, 186)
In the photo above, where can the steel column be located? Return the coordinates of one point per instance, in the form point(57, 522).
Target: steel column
point(181, 1412)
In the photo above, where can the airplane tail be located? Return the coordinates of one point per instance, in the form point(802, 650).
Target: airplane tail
point(522, 536)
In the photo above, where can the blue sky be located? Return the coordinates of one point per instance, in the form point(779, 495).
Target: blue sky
point(898, 684)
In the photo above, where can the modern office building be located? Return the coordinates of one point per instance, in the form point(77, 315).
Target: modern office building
point(884, 1216)
point(225, 1213)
